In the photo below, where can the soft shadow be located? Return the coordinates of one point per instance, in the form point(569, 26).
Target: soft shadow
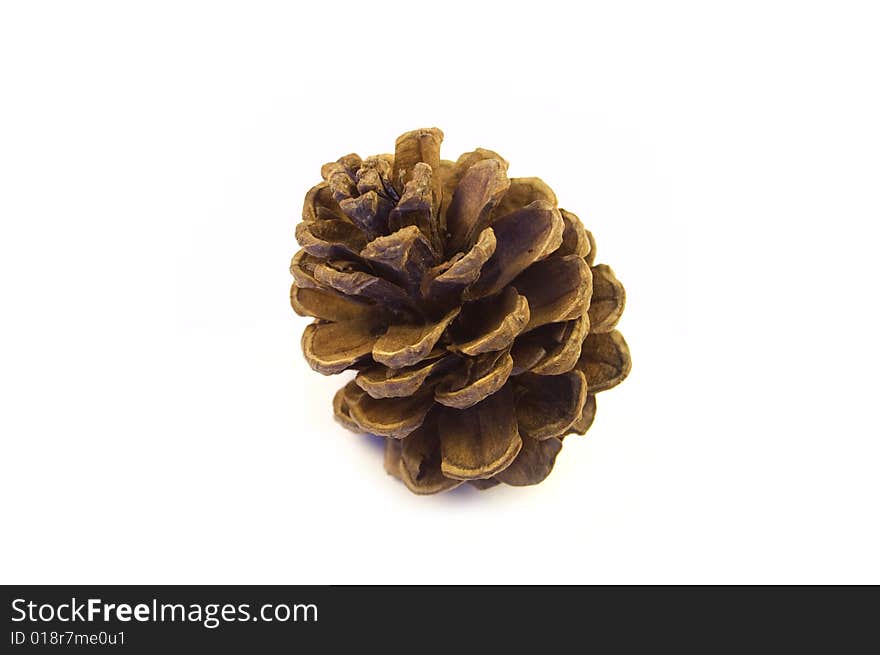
point(375, 442)
point(463, 494)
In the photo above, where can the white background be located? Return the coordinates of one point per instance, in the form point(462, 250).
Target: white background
point(159, 424)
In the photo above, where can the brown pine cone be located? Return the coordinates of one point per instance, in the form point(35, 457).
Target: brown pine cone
point(468, 303)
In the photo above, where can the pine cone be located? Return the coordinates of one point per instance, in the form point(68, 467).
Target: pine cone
point(468, 304)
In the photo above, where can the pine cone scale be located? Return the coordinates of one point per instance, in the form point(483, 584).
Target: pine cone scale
point(444, 284)
point(475, 381)
point(420, 146)
point(333, 347)
point(382, 382)
point(476, 195)
point(521, 238)
point(387, 417)
point(558, 289)
point(490, 324)
point(533, 464)
point(547, 406)
point(480, 441)
point(406, 344)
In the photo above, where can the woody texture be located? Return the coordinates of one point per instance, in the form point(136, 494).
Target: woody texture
point(469, 305)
